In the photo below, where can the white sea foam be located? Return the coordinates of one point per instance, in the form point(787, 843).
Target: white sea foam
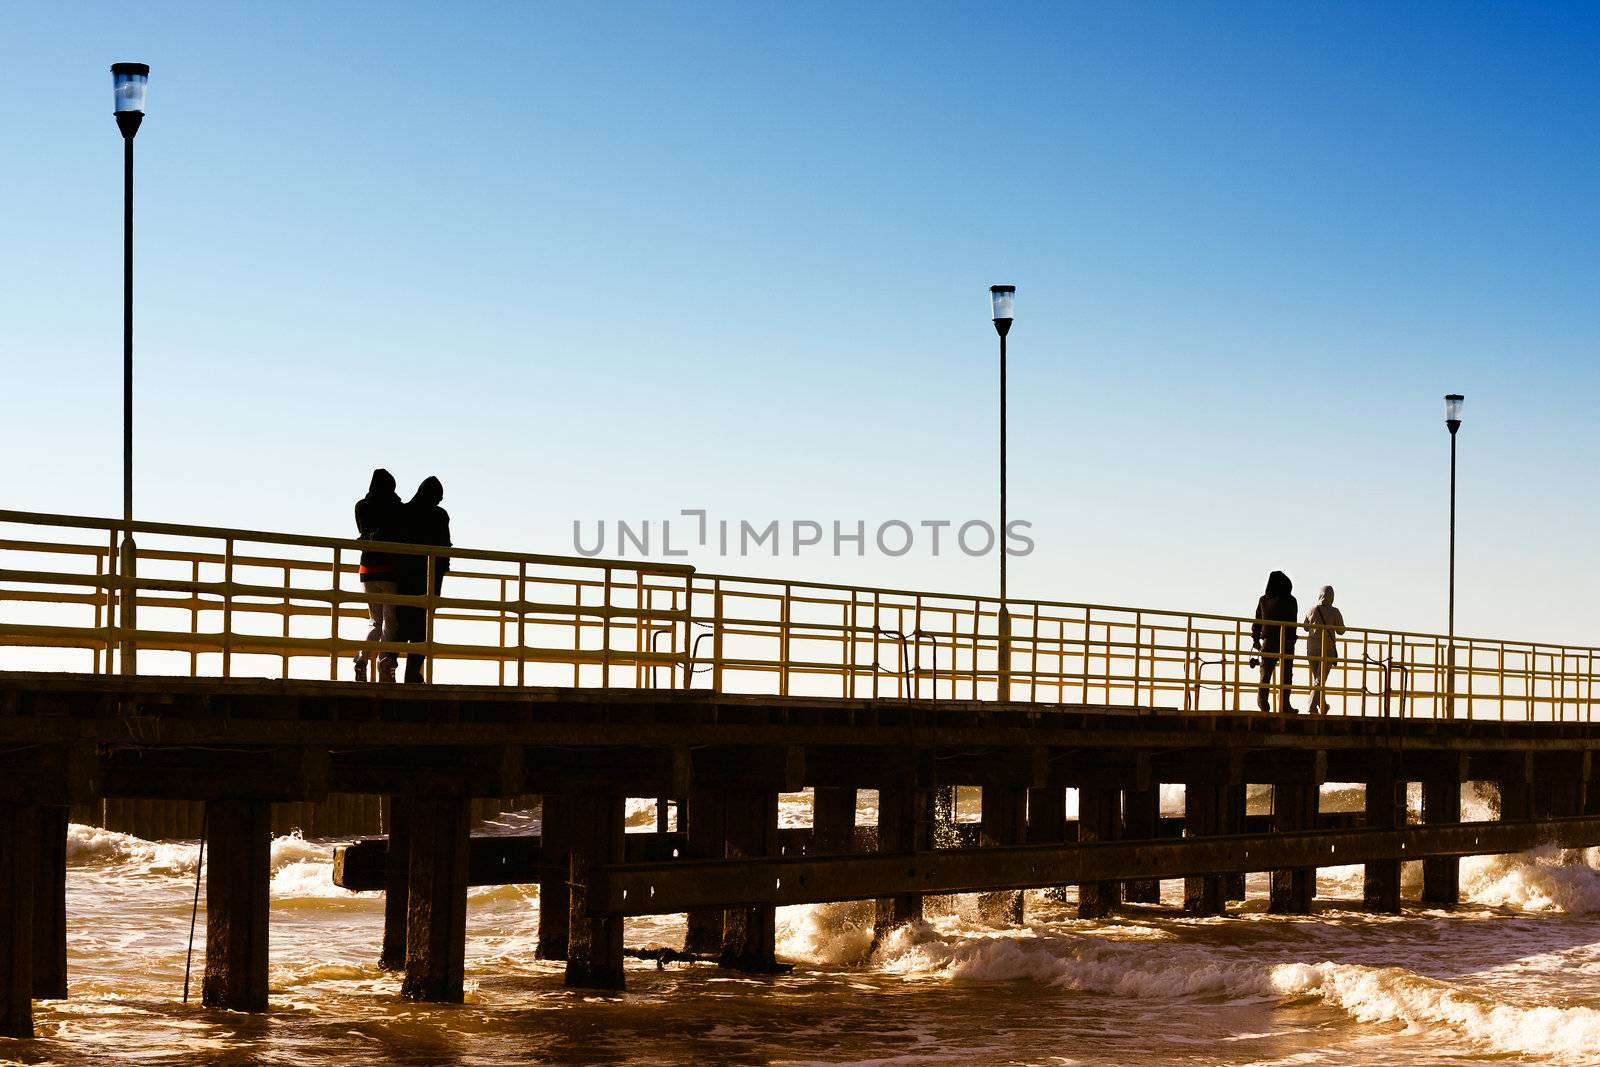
point(1545, 880)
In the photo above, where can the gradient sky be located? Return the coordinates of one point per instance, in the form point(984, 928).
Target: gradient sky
point(614, 261)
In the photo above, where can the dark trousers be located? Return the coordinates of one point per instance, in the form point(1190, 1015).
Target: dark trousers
point(1269, 664)
point(412, 625)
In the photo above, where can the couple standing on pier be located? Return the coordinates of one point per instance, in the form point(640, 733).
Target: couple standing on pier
point(381, 516)
point(1274, 634)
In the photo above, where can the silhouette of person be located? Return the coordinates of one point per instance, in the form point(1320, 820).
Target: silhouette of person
point(1324, 623)
point(1273, 633)
point(422, 522)
point(378, 519)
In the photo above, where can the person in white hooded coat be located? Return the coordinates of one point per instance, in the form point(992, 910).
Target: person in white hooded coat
point(1324, 623)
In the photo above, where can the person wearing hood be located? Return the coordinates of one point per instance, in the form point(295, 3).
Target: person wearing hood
point(1273, 634)
point(378, 519)
point(1324, 623)
point(422, 522)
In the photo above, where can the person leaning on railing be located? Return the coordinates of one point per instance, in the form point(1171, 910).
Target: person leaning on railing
point(1273, 633)
point(1324, 623)
point(378, 519)
point(422, 522)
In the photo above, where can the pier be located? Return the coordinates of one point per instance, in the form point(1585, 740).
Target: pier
point(215, 672)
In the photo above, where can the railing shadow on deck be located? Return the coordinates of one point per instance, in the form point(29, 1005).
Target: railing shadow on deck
point(217, 602)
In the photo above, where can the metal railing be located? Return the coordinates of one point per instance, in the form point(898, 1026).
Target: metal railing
point(231, 603)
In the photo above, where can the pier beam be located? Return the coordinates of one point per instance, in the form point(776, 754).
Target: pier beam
point(833, 821)
point(555, 903)
point(1141, 820)
point(749, 935)
point(901, 822)
point(1294, 807)
point(1099, 819)
point(436, 899)
point(396, 881)
point(1005, 820)
point(50, 906)
point(1441, 875)
point(1202, 817)
point(594, 944)
point(19, 845)
point(238, 881)
point(707, 837)
point(1385, 809)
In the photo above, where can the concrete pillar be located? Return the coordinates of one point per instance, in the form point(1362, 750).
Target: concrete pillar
point(1441, 875)
point(707, 839)
point(594, 945)
point(1385, 810)
point(1099, 819)
point(50, 907)
point(19, 845)
point(749, 935)
point(1294, 807)
point(901, 810)
point(1202, 817)
point(396, 878)
point(238, 880)
point(436, 900)
point(1004, 822)
point(1141, 820)
point(833, 821)
point(555, 904)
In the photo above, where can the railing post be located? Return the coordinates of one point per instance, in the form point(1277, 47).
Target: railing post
point(227, 608)
point(129, 616)
point(430, 606)
point(334, 604)
point(522, 622)
point(716, 635)
point(605, 631)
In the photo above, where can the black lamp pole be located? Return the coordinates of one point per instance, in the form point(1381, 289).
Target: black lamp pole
point(1001, 299)
point(1452, 420)
point(128, 84)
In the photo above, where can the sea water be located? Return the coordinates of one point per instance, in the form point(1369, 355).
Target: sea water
point(1512, 976)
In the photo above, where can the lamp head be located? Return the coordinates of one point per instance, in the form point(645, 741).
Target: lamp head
point(128, 82)
point(1002, 298)
point(1452, 411)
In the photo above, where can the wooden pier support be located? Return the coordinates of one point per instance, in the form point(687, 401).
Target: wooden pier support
point(396, 880)
point(749, 935)
point(707, 838)
point(555, 904)
point(1294, 807)
point(594, 945)
point(50, 906)
point(833, 821)
point(1047, 816)
point(1203, 894)
point(1441, 875)
point(1385, 809)
point(238, 900)
point(1235, 809)
point(1004, 822)
point(19, 847)
point(1141, 819)
point(902, 810)
point(1099, 819)
point(436, 900)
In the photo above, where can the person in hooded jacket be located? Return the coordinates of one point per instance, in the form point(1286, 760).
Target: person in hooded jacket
point(422, 522)
point(1273, 634)
point(378, 519)
point(1324, 623)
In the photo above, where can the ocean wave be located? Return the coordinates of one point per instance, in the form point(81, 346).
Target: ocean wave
point(1545, 879)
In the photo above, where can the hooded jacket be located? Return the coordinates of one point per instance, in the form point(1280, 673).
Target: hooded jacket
point(378, 519)
point(424, 522)
point(1277, 605)
point(1324, 642)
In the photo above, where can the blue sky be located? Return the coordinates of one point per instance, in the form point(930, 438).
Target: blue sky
point(616, 261)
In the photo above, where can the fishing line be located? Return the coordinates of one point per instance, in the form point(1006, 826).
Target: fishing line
point(205, 815)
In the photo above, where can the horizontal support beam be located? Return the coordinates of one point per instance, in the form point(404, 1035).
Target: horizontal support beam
point(666, 888)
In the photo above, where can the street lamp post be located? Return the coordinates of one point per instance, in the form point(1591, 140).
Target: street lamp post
point(1002, 298)
point(1452, 420)
point(128, 81)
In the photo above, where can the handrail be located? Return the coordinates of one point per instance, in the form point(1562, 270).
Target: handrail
point(218, 600)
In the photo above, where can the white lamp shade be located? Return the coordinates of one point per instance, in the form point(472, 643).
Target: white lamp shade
point(1002, 298)
point(128, 81)
point(1452, 407)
